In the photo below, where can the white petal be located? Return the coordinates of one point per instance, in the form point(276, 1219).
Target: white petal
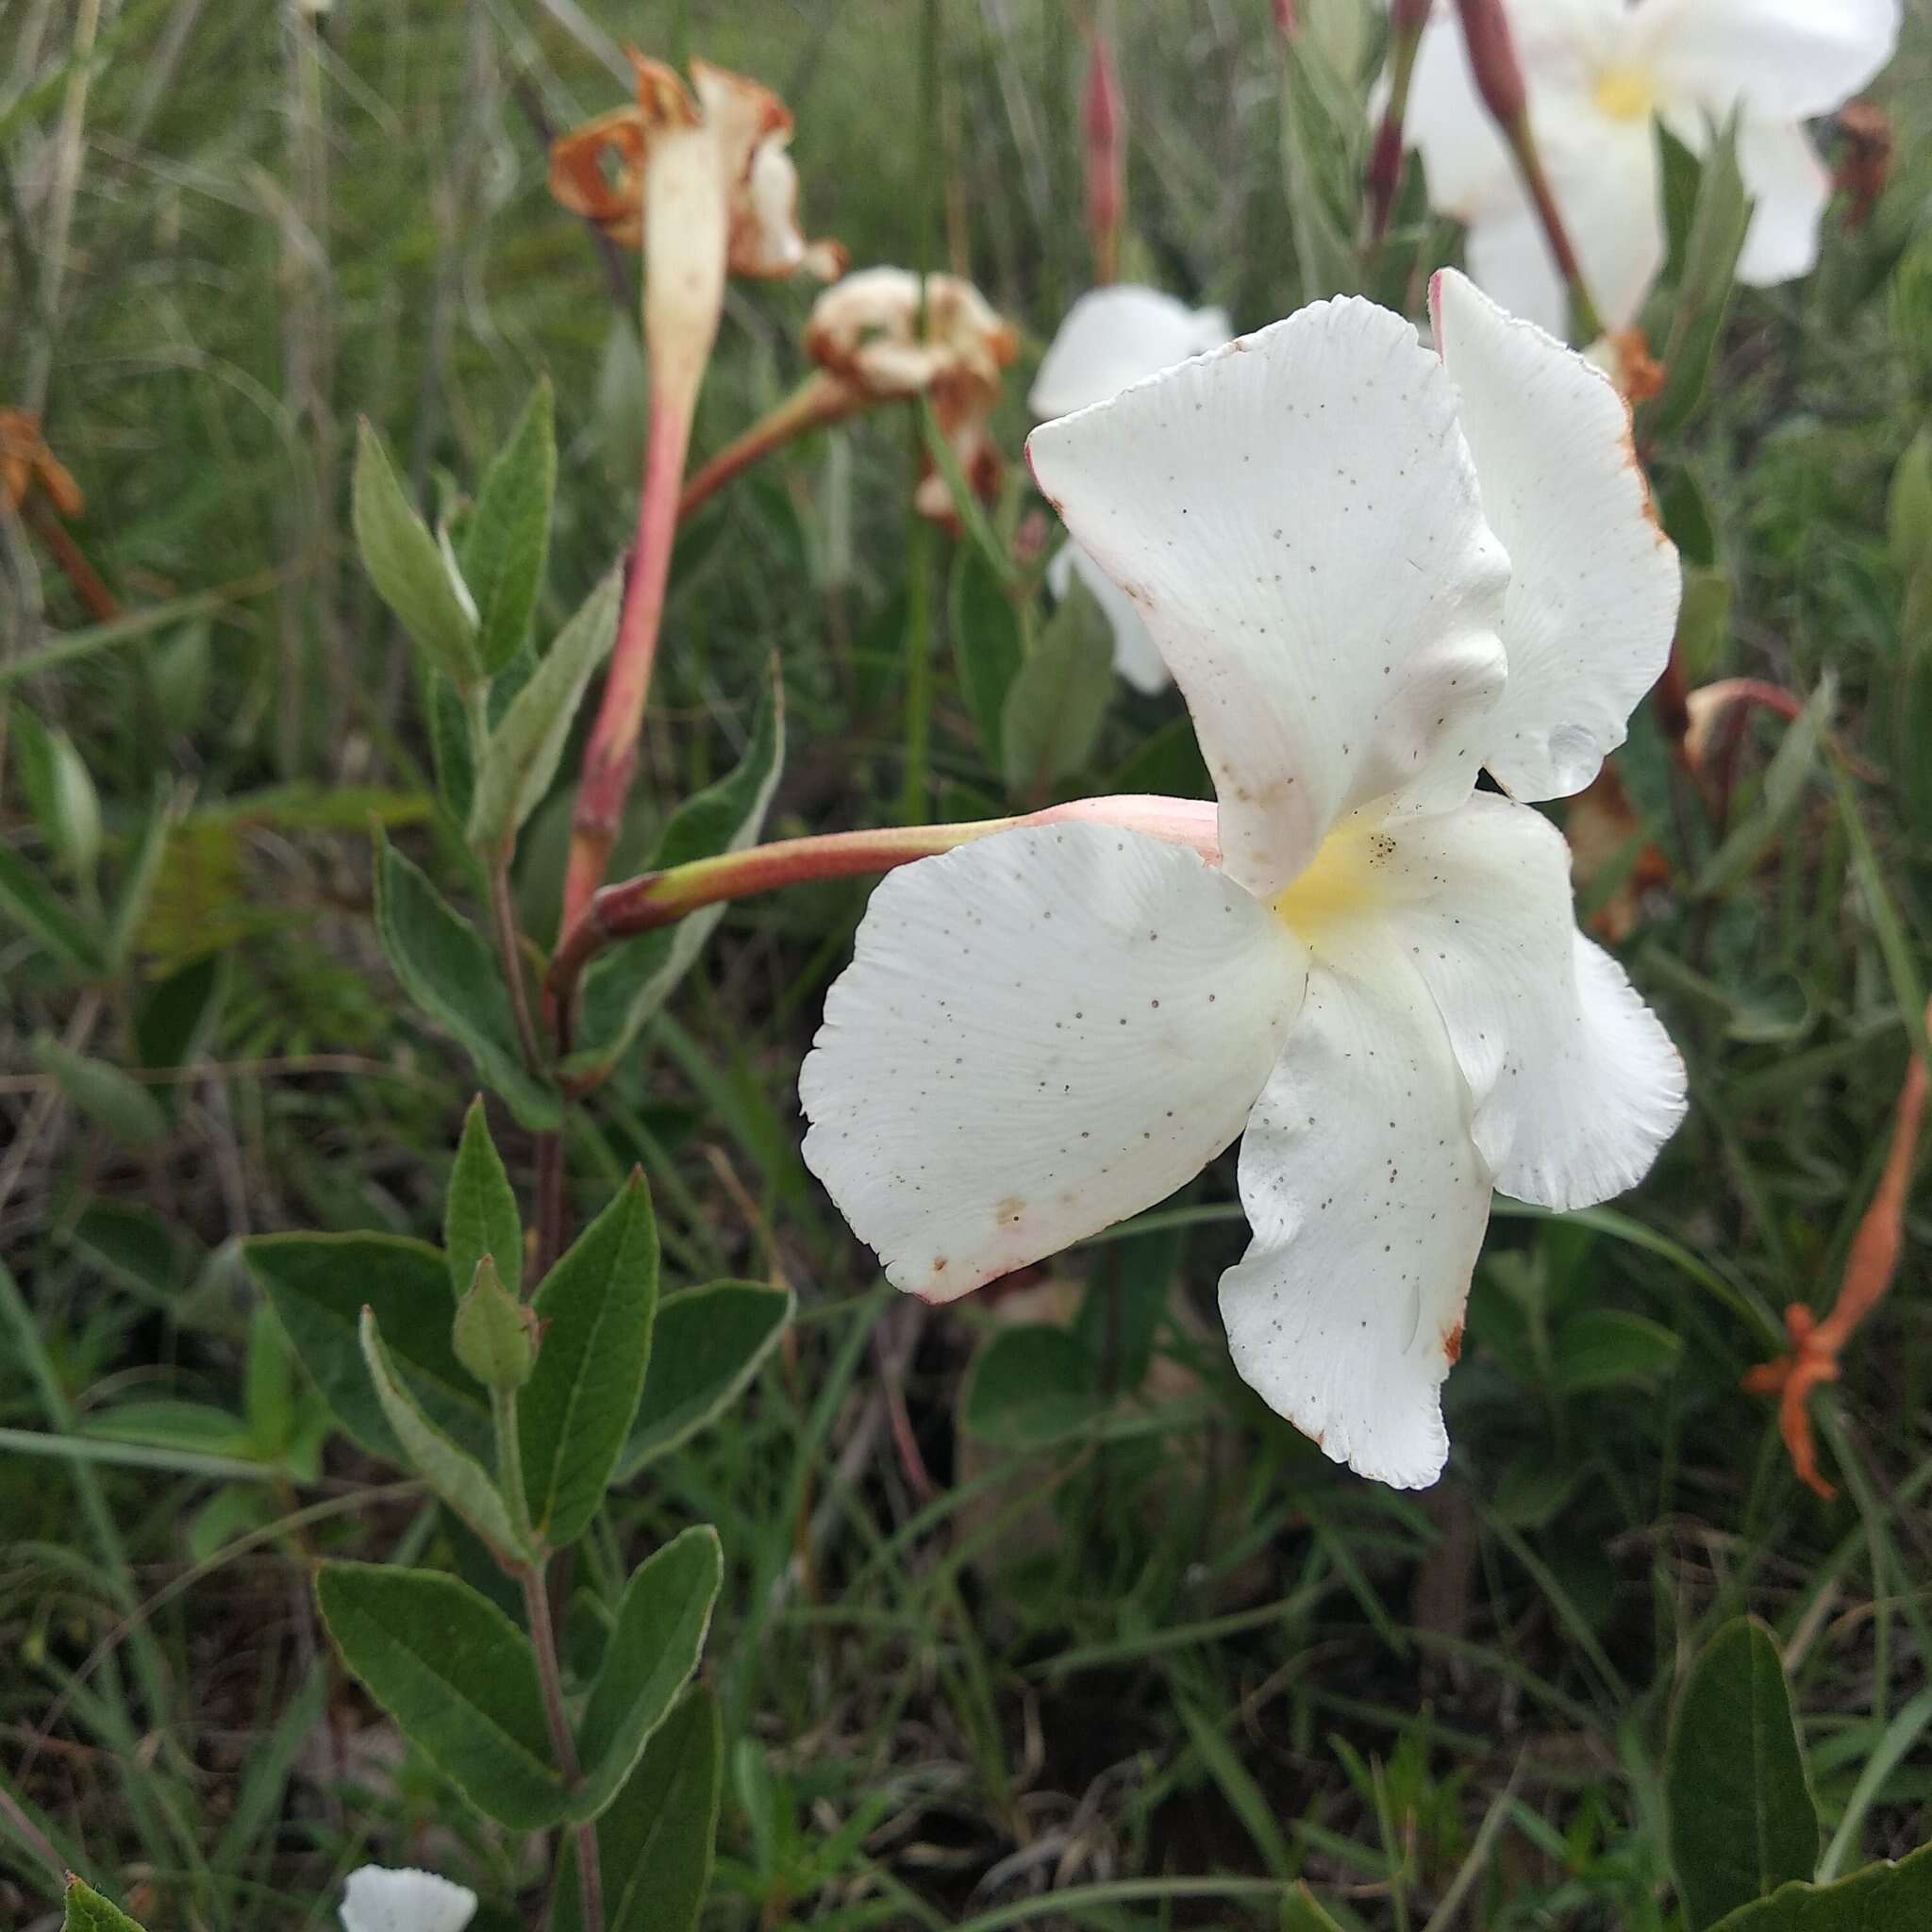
point(1790, 187)
point(1606, 182)
point(1368, 1201)
point(1593, 583)
point(1136, 656)
point(1465, 160)
point(1576, 1083)
point(1296, 517)
point(378, 1900)
point(1040, 1033)
point(1116, 336)
point(1784, 60)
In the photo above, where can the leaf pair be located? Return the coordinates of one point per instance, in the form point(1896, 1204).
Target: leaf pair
point(461, 1680)
point(1744, 1826)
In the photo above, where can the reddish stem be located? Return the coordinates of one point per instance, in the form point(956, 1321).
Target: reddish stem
point(822, 398)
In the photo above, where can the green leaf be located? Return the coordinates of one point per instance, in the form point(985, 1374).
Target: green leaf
point(1741, 1820)
point(27, 899)
point(595, 1306)
point(173, 1023)
point(648, 1659)
point(655, 1843)
point(508, 540)
point(1908, 509)
point(521, 758)
point(448, 971)
point(458, 1478)
point(1721, 215)
point(59, 792)
point(987, 645)
point(1785, 781)
point(319, 1285)
point(479, 1214)
point(1127, 1293)
point(1602, 1348)
point(408, 568)
point(103, 1093)
point(195, 1426)
point(452, 749)
point(138, 879)
point(457, 1675)
point(627, 984)
point(708, 1344)
point(86, 1910)
point(178, 672)
point(1321, 139)
point(1029, 1387)
point(1881, 1898)
point(1056, 705)
point(1704, 622)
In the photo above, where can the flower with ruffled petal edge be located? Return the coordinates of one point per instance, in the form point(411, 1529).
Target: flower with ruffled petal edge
point(378, 1900)
point(888, 338)
point(1368, 965)
point(729, 132)
point(1110, 338)
point(1600, 74)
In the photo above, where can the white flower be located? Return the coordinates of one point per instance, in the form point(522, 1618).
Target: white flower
point(1055, 1026)
point(379, 1900)
point(1599, 73)
point(1110, 338)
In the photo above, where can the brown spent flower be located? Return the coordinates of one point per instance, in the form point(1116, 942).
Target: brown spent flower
point(869, 332)
point(599, 170)
point(1864, 163)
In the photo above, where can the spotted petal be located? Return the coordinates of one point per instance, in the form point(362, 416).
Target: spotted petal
point(1368, 1201)
point(1576, 1083)
point(1296, 517)
point(1040, 1033)
point(378, 1900)
point(1116, 336)
point(1593, 584)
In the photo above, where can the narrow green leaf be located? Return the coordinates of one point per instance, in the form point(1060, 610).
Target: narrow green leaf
point(1029, 1387)
point(508, 535)
point(479, 1214)
point(457, 1675)
point(655, 1843)
point(103, 1093)
point(648, 1659)
point(708, 1344)
point(1785, 781)
point(406, 566)
point(1741, 1820)
point(319, 1285)
point(1881, 1898)
point(140, 875)
point(459, 1479)
point(34, 906)
point(448, 971)
point(197, 1427)
point(987, 645)
point(628, 985)
point(86, 1910)
point(1603, 1348)
point(1908, 509)
point(60, 792)
point(451, 750)
point(1322, 133)
point(597, 1308)
point(1056, 703)
point(521, 756)
point(1721, 215)
point(174, 1022)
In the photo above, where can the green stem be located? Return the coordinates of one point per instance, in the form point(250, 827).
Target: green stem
point(550, 1678)
point(509, 1460)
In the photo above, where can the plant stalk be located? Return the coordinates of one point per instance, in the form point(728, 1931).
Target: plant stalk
point(550, 1677)
point(822, 398)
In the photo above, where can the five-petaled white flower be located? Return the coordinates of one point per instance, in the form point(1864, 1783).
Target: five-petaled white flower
point(378, 1900)
point(1110, 338)
point(1373, 572)
point(1599, 73)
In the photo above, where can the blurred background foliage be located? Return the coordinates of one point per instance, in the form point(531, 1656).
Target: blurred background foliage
point(1029, 1593)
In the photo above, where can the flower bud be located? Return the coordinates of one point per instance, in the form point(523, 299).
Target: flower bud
point(495, 1335)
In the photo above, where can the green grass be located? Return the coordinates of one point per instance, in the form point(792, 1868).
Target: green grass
point(1138, 1676)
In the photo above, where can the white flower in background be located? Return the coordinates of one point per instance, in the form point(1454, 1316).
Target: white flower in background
point(1111, 337)
point(379, 1900)
point(1052, 1027)
point(1600, 74)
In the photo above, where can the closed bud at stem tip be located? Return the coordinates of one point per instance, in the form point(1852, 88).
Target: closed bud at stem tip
point(495, 1335)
